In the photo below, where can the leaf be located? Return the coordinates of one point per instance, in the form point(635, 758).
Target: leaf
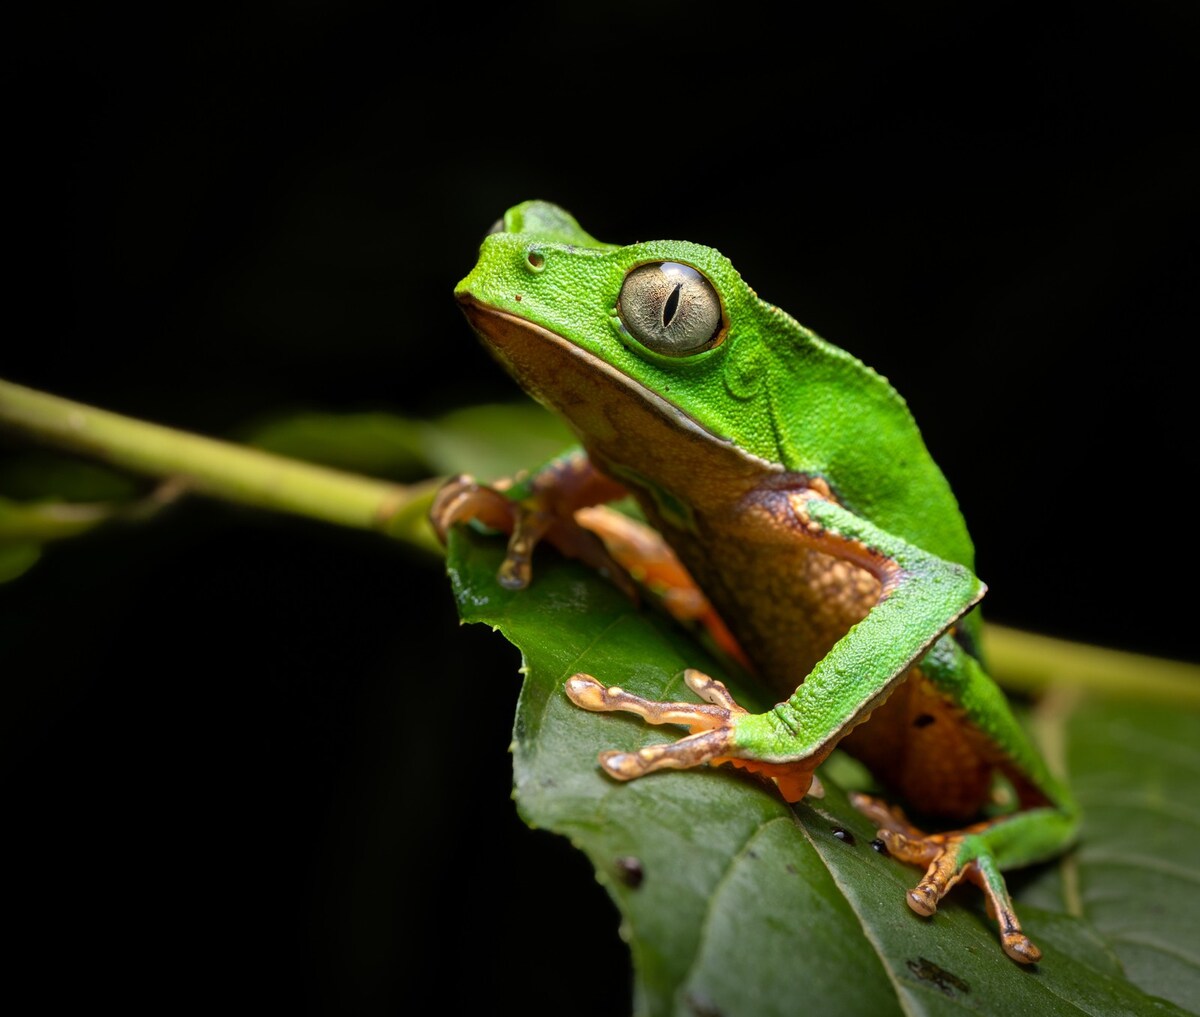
point(45, 497)
point(489, 441)
point(1135, 769)
point(734, 903)
point(37, 474)
point(494, 440)
point(378, 444)
point(17, 558)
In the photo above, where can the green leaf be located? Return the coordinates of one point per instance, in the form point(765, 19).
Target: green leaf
point(489, 441)
point(494, 440)
point(378, 444)
point(24, 527)
point(17, 558)
point(45, 496)
point(1136, 769)
point(733, 902)
point(37, 474)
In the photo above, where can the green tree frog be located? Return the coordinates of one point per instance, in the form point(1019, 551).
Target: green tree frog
point(795, 488)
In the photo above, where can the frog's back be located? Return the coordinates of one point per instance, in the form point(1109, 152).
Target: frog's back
point(787, 397)
point(823, 419)
point(836, 418)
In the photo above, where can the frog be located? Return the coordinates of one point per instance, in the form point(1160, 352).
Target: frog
point(786, 497)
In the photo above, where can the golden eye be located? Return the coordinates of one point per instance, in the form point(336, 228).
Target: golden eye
point(671, 309)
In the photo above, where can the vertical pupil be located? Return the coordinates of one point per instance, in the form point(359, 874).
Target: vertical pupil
point(671, 305)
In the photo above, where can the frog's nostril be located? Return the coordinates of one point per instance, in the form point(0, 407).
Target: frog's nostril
point(536, 260)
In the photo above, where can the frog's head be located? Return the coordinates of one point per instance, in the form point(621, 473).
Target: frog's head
point(599, 332)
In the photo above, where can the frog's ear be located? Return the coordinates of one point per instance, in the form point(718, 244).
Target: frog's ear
point(548, 222)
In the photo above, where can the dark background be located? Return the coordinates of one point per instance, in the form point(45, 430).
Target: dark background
point(254, 760)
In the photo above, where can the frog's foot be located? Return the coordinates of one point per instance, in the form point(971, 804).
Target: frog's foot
point(711, 723)
point(948, 858)
point(544, 513)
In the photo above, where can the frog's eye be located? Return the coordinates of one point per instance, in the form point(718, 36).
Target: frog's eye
point(671, 309)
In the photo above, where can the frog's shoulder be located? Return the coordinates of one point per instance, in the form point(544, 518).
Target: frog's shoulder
point(834, 416)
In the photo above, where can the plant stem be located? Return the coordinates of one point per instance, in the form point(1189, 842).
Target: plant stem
point(223, 469)
point(1021, 660)
point(1028, 662)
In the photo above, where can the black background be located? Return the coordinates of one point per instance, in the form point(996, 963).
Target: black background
point(255, 760)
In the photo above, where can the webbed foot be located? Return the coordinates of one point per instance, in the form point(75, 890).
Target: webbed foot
point(948, 858)
point(531, 510)
point(712, 724)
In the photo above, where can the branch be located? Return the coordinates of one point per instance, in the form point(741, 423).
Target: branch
point(223, 469)
point(1027, 662)
point(233, 472)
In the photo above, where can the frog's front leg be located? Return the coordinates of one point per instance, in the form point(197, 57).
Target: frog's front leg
point(712, 740)
point(564, 503)
point(921, 596)
point(536, 507)
point(709, 722)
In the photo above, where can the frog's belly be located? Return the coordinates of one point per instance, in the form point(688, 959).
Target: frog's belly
point(920, 747)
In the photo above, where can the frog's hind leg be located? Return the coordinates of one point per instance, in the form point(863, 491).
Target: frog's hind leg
point(977, 853)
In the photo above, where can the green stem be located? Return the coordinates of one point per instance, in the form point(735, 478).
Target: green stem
point(1028, 662)
point(222, 469)
point(1021, 660)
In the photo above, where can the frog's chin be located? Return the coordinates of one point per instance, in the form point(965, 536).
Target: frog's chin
point(590, 393)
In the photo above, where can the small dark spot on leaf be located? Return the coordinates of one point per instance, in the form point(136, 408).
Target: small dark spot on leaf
point(630, 871)
point(923, 720)
point(751, 853)
point(791, 868)
point(845, 836)
point(947, 982)
point(879, 846)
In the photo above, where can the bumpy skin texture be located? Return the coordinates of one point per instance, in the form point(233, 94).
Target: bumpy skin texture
point(794, 485)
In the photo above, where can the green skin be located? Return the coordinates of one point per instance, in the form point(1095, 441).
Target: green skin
point(774, 399)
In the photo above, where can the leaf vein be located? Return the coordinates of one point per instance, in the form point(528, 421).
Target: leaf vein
point(1188, 957)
